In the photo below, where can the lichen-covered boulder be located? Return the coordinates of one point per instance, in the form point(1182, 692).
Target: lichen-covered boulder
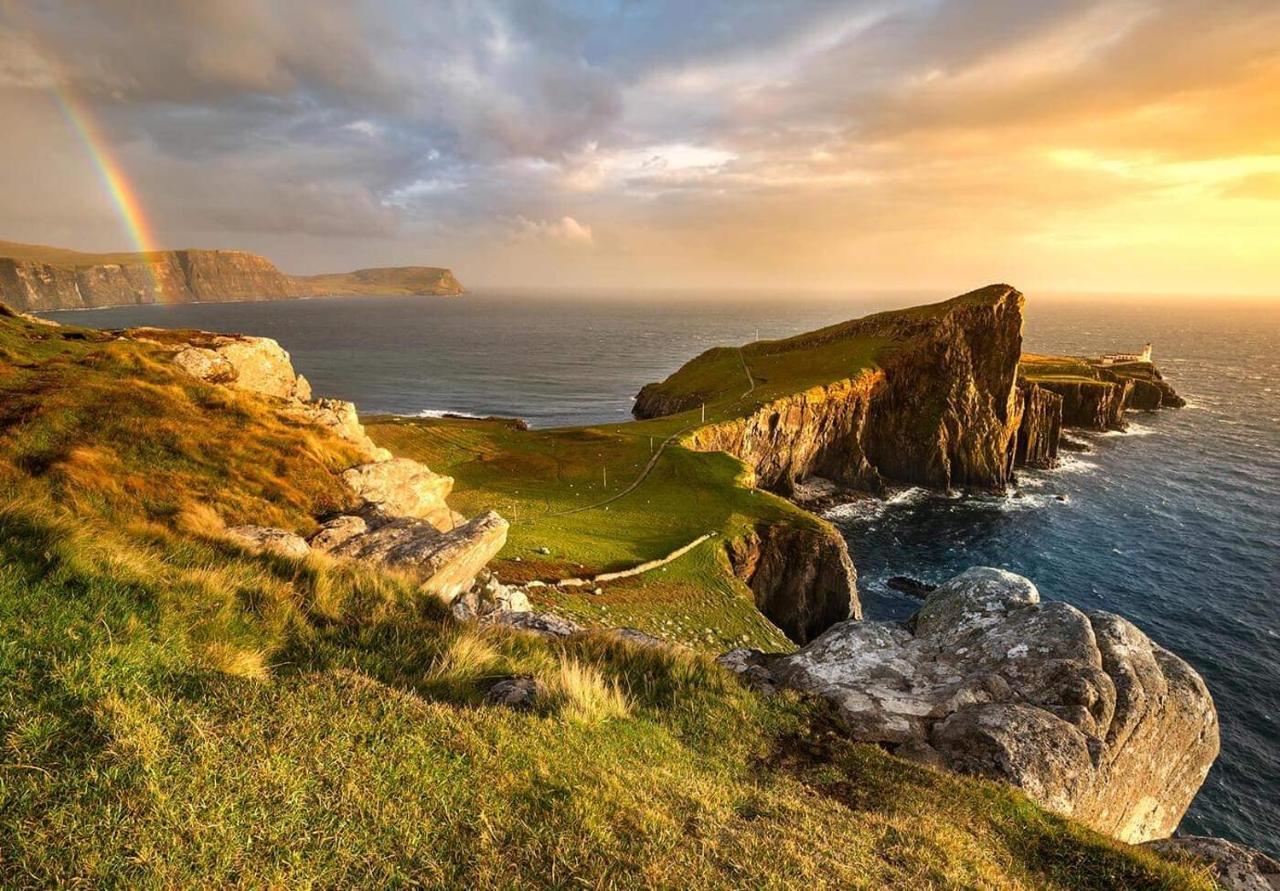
point(1080, 710)
point(1234, 867)
point(401, 487)
point(257, 364)
point(446, 562)
point(270, 540)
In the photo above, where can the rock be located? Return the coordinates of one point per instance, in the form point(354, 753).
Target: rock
point(1039, 428)
point(338, 531)
point(1082, 711)
point(801, 576)
point(1234, 867)
point(544, 624)
point(446, 562)
point(205, 364)
point(340, 418)
point(401, 487)
point(638, 637)
point(520, 693)
point(269, 539)
point(1092, 404)
point(487, 596)
point(751, 667)
point(911, 587)
point(256, 364)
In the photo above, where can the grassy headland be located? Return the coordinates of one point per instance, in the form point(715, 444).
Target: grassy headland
point(177, 712)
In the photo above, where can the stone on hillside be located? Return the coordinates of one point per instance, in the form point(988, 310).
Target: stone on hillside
point(1082, 711)
point(751, 667)
point(401, 487)
point(544, 624)
point(1234, 867)
point(207, 365)
point(338, 531)
point(270, 540)
point(257, 364)
point(518, 693)
point(446, 562)
point(487, 596)
point(339, 417)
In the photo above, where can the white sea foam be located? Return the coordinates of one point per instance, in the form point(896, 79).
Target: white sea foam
point(445, 413)
point(1075, 464)
point(870, 508)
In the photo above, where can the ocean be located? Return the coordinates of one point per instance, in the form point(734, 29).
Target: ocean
point(1174, 524)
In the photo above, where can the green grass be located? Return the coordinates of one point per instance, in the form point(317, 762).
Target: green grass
point(176, 712)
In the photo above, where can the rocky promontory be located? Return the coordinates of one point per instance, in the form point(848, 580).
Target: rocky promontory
point(36, 279)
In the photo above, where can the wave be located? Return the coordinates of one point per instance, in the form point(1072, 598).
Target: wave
point(446, 413)
point(1074, 464)
point(869, 508)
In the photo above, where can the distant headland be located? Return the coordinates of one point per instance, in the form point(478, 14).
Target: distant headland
point(36, 278)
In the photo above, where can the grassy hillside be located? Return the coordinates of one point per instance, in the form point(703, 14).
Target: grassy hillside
point(54, 256)
point(175, 712)
point(385, 281)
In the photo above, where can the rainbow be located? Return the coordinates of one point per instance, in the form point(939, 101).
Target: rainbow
point(122, 192)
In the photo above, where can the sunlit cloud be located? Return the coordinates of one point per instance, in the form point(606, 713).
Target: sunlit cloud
point(824, 143)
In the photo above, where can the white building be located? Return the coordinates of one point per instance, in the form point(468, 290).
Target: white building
point(1121, 358)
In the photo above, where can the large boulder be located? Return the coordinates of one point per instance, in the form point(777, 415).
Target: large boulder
point(1080, 710)
point(446, 562)
point(401, 487)
point(1234, 867)
point(257, 364)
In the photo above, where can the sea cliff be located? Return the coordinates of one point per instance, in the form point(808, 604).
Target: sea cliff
point(36, 279)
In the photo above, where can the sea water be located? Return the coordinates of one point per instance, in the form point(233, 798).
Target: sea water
point(1174, 524)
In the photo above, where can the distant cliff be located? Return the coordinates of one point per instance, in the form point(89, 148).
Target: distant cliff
point(433, 281)
point(35, 278)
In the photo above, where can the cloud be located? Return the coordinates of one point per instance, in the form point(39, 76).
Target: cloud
point(725, 138)
point(564, 231)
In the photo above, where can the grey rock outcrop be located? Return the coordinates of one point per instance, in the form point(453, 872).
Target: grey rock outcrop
point(257, 364)
point(268, 539)
point(401, 520)
point(401, 487)
point(520, 693)
point(446, 562)
point(1082, 711)
point(1234, 867)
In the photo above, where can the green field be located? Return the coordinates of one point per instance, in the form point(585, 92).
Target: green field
point(591, 500)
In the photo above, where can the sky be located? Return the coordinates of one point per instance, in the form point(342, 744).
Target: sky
point(1084, 145)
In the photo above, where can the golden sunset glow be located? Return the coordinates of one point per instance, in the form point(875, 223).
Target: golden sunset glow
point(1114, 147)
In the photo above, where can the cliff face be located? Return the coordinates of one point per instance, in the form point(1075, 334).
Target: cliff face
point(1092, 404)
point(191, 276)
point(37, 279)
point(802, 577)
point(433, 281)
point(941, 409)
point(816, 433)
point(1040, 427)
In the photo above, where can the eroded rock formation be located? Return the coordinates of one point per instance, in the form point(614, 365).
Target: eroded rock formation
point(940, 409)
point(801, 576)
point(401, 519)
point(1080, 710)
